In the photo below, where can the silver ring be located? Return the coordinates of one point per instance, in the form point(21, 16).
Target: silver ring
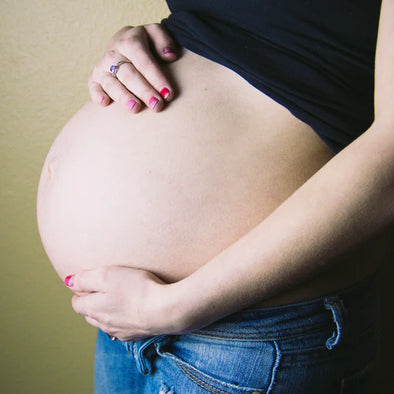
point(112, 338)
point(115, 67)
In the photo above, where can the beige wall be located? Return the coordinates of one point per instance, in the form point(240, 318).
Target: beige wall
point(47, 49)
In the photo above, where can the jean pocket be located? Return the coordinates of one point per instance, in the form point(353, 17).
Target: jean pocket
point(220, 365)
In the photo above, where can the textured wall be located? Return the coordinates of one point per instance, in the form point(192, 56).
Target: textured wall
point(47, 49)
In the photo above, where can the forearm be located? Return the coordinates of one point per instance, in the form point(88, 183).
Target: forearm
point(345, 203)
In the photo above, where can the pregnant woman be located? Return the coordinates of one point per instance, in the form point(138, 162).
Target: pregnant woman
point(220, 208)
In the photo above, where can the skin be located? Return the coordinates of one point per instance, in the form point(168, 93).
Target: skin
point(352, 194)
point(141, 78)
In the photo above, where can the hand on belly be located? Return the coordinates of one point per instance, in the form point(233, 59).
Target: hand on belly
point(127, 303)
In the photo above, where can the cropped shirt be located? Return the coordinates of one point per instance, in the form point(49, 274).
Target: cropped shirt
point(314, 57)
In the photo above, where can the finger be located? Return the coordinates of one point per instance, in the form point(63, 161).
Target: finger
point(92, 322)
point(97, 94)
point(115, 89)
point(136, 49)
point(89, 281)
point(132, 79)
point(87, 305)
point(161, 40)
point(108, 330)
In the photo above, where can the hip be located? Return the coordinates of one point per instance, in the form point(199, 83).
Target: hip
point(326, 345)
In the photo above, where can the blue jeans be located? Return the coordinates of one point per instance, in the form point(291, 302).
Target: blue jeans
point(327, 345)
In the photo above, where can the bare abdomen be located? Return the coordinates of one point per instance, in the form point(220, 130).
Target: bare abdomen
point(168, 191)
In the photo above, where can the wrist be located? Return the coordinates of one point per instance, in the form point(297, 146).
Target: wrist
point(174, 309)
point(163, 310)
point(188, 306)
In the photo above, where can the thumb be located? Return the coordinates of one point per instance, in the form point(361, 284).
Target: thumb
point(88, 281)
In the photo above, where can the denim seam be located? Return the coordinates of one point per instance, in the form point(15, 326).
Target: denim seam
point(143, 363)
point(142, 366)
point(276, 367)
point(191, 372)
point(253, 337)
point(199, 382)
point(337, 309)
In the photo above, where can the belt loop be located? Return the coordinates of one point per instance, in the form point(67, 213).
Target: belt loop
point(139, 347)
point(335, 305)
point(128, 346)
point(143, 365)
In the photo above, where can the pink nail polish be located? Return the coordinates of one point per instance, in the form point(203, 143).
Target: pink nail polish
point(131, 104)
point(164, 93)
point(153, 102)
point(69, 280)
point(168, 50)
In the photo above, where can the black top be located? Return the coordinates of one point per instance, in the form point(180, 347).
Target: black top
point(314, 57)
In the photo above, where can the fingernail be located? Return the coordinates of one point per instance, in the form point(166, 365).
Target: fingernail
point(131, 104)
point(164, 93)
point(69, 280)
point(153, 102)
point(168, 50)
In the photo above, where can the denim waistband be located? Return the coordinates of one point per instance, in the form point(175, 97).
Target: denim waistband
point(340, 311)
point(357, 303)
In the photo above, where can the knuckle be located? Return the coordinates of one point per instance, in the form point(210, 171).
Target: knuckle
point(125, 29)
point(94, 317)
point(105, 320)
point(93, 85)
point(138, 31)
point(97, 69)
point(109, 84)
point(90, 320)
point(133, 45)
point(146, 62)
point(129, 72)
point(110, 54)
point(133, 36)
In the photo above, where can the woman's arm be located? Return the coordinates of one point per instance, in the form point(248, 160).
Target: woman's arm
point(344, 204)
point(348, 201)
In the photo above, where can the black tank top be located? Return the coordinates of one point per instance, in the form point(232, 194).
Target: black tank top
point(314, 57)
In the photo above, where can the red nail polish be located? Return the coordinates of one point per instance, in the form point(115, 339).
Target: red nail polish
point(168, 50)
point(153, 102)
point(164, 93)
point(69, 280)
point(131, 104)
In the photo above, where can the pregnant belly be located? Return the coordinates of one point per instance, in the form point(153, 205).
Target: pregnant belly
point(167, 192)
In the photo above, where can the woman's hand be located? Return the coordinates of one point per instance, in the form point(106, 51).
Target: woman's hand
point(138, 81)
point(124, 302)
